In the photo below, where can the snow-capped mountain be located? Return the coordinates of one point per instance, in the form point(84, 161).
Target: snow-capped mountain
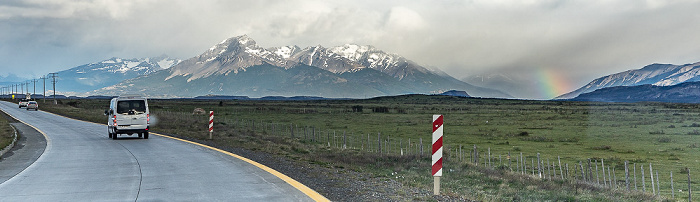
point(654, 74)
point(108, 72)
point(238, 66)
point(687, 92)
point(351, 57)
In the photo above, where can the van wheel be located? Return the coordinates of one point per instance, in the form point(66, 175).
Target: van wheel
point(114, 136)
point(140, 135)
point(145, 135)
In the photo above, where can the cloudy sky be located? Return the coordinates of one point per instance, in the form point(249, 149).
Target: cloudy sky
point(572, 41)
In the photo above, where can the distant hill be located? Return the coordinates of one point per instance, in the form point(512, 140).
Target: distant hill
point(93, 76)
point(688, 92)
point(457, 93)
point(654, 74)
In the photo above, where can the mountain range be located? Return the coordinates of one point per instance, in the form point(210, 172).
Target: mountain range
point(687, 92)
point(93, 76)
point(238, 66)
point(654, 74)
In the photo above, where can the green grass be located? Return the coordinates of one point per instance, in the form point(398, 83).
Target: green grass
point(666, 135)
point(6, 132)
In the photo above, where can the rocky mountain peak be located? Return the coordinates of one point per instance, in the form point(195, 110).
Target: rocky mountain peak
point(352, 51)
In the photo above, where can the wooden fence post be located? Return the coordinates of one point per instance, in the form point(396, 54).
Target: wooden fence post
point(602, 164)
point(388, 145)
point(539, 166)
point(379, 142)
point(583, 176)
point(511, 168)
point(651, 174)
point(644, 184)
point(658, 185)
point(525, 165)
point(627, 176)
point(490, 157)
point(673, 192)
point(690, 198)
point(476, 156)
point(590, 171)
point(369, 143)
point(522, 164)
point(421, 146)
point(613, 180)
point(597, 177)
point(634, 171)
point(549, 169)
point(561, 172)
point(567, 171)
point(609, 178)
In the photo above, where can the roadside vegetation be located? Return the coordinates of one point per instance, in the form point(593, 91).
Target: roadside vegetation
point(6, 132)
point(665, 135)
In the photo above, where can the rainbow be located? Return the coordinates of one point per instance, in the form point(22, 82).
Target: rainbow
point(551, 83)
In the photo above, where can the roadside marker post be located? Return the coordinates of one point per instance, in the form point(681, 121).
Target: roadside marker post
point(437, 152)
point(211, 123)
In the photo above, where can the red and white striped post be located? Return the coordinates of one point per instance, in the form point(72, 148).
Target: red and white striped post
point(437, 152)
point(211, 123)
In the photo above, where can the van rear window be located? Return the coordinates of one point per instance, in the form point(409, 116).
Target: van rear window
point(138, 106)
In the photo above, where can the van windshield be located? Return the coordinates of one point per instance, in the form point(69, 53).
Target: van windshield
point(138, 106)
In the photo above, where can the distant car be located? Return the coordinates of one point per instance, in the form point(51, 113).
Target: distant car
point(23, 103)
point(33, 105)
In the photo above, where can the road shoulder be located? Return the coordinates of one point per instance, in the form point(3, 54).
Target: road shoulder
point(30, 146)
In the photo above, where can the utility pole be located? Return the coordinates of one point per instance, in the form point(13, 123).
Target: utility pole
point(44, 93)
point(53, 76)
point(34, 82)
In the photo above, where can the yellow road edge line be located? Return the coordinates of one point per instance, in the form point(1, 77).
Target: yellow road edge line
point(296, 184)
point(48, 140)
point(301, 187)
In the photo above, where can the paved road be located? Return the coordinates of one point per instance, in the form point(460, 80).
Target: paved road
point(80, 163)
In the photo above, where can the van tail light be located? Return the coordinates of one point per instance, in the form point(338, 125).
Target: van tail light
point(115, 120)
point(148, 118)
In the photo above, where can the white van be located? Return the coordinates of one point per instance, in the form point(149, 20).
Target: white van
point(128, 114)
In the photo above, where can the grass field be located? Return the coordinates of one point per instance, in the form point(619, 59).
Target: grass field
point(6, 132)
point(665, 135)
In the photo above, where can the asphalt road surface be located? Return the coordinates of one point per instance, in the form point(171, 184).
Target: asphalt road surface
point(80, 163)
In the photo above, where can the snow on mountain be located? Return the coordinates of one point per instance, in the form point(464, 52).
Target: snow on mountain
point(654, 74)
point(230, 56)
point(109, 72)
point(351, 51)
point(285, 51)
point(323, 58)
point(239, 66)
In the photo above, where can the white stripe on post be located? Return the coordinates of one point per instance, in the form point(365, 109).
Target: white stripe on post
point(437, 152)
point(211, 121)
point(437, 145)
